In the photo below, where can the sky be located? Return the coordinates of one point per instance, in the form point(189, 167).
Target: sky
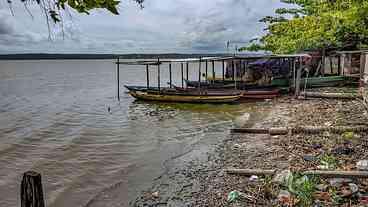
point(162, 26)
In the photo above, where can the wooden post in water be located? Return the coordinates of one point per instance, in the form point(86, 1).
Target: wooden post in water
point(182, 74)
point(118, 77)
point(223, 70)
point(158, 75)
point(31, 193)
point(170, 75)
point(147, 76)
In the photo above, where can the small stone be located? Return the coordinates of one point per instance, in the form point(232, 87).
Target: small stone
point(155, 194)
point(321, 187)
point(362, 165)
point(338, 182)
point(309, 158)
point(343, 150)
point(363, 199)
point(237, 145)
point(316, 146)
point(284, 197)
point(282, 177)
point(345, 193)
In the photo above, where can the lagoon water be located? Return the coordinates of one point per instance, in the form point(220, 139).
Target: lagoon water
point(54, 119)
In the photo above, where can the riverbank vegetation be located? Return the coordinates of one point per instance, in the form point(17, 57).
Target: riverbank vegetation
point(311, 24)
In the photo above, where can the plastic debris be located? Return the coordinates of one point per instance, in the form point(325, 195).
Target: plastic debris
point(362, 165)
point(338, 182)
point(253, 178)
point(353, 187)
point(233, 196)
point(309, 158)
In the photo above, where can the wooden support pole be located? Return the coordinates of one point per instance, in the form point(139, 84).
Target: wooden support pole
point(365, 70)
point(232, 64)
point(323, 61)
point(147, 76)
point(31, 193)
point(170, 74)
point(294, 74)
point(339, 65)
point(187, 71)
point(199, 73)
point(298, 77)
point(158, 75)
point(223, 70)
point(342, 64)
point(182, 74)
point(331, 65)
point(213, 71)
point(235, 75)
point(206, 69)
point(362, 65)
point(118, 77)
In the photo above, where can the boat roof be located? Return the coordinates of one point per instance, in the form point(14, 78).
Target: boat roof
point(202, 59)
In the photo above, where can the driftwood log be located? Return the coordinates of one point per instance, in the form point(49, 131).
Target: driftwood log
point(331, 95)
point(327, 174)
point(338, 174)
point(31, 193)
point(300, 130)
point(250, 172)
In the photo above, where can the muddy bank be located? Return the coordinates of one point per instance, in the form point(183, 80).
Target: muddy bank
point(203, 182)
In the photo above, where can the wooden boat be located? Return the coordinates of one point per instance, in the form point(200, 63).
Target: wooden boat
point(311, 82)
point(179, 91)
point(184, 98)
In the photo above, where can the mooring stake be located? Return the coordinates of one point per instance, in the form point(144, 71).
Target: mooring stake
point(31, 193)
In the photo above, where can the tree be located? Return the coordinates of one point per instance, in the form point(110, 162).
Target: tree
point(53, 8)
point(314, 24)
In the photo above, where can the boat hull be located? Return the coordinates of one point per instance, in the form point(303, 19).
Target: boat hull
point(146, 96)
point(178, 91)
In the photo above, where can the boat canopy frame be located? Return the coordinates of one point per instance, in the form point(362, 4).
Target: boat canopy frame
point(293, 58)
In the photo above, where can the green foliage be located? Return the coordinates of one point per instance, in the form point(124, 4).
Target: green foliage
point(328, 161)
point(348, 135)
point(303, 187)
point(53, 8)
point(313, 24)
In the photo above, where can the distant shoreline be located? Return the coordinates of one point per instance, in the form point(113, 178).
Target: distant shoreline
point(44, 56)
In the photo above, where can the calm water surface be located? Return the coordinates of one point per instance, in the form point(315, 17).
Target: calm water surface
point(54, 119)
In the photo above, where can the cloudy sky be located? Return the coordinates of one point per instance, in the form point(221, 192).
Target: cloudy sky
point(162, 26)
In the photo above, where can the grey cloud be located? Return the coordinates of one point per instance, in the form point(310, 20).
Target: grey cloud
point(162, 26)
point(6, 26)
